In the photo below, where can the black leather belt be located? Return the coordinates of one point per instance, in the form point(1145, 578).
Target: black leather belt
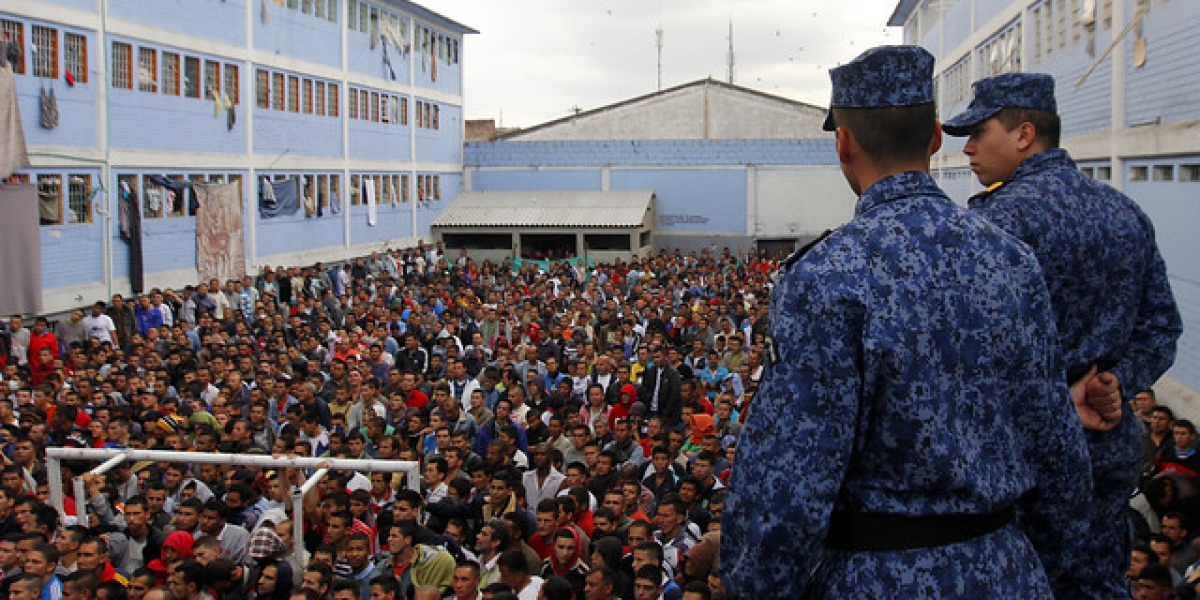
point(877, 532)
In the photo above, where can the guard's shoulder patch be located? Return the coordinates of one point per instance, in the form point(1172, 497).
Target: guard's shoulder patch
point(988, 191)
point(802, 250)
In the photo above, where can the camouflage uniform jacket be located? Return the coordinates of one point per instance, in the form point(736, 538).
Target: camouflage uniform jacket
point(914, 372)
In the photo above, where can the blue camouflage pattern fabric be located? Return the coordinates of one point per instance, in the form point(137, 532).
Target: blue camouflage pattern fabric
point(917, 375)
point(1033, 91)
point(881, 77)
point(1113, 307)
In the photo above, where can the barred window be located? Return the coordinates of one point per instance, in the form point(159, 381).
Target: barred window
point(319, 98)
point(404, 188)
point(122, 66)
point(375, 106)
point(321, 193)
point(45, 60)
point(147, 70)
point(353, 105)
point(355, 190)
point(331, 12)
point(212, 78)
point(352, 13)
point(384, 115)
point(15, 30)
point(262, 91)
point(293, 94)
point(436, 116)
point(75, 58)
point(170, 73)
point(278, 91)
point(233, 85)
point(191, 77)
point(80, 198)
point(307, 96)
point(404, 111)
point(50, 208)
point(333, 100)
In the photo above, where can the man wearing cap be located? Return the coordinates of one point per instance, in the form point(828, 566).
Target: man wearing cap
point(913, 388)
point(1097, 250)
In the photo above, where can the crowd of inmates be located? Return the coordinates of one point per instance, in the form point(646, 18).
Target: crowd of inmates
point(574, 424)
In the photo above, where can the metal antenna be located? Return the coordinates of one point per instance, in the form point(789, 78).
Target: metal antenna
point(658, 41)
point(730, 59)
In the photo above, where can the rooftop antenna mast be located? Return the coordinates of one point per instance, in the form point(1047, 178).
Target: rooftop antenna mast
point(729, 59)
point(658, 42)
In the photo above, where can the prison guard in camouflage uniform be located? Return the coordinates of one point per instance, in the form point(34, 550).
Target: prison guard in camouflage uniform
point(1113, 307)
point(915, 373)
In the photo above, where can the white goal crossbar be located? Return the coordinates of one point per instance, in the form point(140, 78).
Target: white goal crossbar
point(115, 456)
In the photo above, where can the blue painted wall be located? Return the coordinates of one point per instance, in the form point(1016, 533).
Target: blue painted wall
point(76, 105)
point(700, 184)
point(1167, 88)
point(293, 34)
point(708, 201)
point(177, 122)
point(294, 233)
point(957, 26)
point(296, 134)
point(441, 144)
point(84, 5)
point(1173, 208)
point(72, 253)
point(393, 221)
point(379, 141)
point(650, 153)
point(572, 179)
point(216, 20)
point(986, 10)
point(363, 59)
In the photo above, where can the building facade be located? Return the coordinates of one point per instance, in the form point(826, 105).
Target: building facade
point(1128, 90)
point(342, 95)
point(729, 166)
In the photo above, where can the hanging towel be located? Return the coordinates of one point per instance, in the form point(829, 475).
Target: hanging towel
point(13, 154)
point(369, 194)
point(49, 106)
point(230, 113)
point(130, 222)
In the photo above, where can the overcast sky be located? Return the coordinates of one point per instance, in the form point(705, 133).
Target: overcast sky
point(535, 60)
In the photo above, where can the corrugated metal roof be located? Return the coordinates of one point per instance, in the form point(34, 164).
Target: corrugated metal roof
point(547, 208)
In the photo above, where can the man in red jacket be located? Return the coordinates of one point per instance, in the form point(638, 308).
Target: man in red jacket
point(40, 337)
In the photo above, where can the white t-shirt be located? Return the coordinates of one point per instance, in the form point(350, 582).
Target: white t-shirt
point(100, 327)
point(531, 591)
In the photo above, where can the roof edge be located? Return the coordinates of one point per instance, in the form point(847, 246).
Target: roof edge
point(421, 12)
point(904, 9)
point(644, 97)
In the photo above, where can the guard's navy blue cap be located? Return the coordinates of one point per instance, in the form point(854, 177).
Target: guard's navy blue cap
point(1033, 91)
point(882, 77)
